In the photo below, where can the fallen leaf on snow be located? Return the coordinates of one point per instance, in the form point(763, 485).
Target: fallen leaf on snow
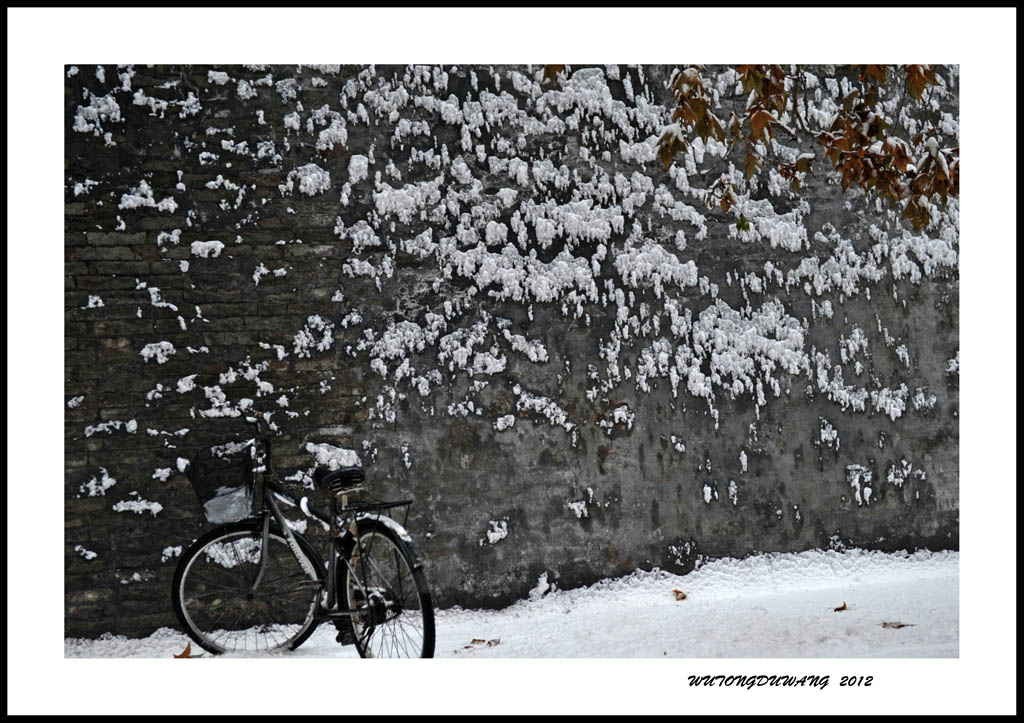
point(841, 607)
point(481, 641)
point(187, 652)
point(897, 626)
point(680, 595)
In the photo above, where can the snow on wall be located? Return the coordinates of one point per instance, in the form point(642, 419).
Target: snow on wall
point(492, 275)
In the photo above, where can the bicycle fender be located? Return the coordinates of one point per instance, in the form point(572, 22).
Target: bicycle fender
point(400, 532)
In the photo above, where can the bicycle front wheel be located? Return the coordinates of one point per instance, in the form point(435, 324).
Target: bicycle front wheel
point(219, 605)
point(395, 616)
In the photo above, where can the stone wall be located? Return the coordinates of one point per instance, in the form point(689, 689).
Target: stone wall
point(489, 288)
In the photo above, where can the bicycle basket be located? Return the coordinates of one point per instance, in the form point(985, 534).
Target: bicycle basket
point(221, 476)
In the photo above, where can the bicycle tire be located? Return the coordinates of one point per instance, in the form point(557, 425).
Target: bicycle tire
point(189, 583)
point(374, 636)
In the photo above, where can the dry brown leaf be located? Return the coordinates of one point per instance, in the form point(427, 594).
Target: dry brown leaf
point(897, 626)
point(841, 607)
point(760, 120)
point(187, 652)
point(551, 72)
point(477, 641)
point(680, 595)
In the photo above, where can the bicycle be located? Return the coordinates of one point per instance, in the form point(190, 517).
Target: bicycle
point(255, 584)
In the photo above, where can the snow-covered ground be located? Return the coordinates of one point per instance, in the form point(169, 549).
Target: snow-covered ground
point(767, 606)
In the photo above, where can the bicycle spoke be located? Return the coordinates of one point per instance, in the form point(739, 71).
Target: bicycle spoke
point(274, 595)
point(396, 628)
point(287, 577)
point(240, 564)
point(276, 626)
point(382, 576)
point(208, 593)
point(392, 640)
point(402, 628)
point(271, 610)
point(209, 579)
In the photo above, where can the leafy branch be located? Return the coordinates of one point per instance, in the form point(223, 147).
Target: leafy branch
point(860, 144)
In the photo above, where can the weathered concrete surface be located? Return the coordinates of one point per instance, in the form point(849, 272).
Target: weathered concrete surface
point(622, 496)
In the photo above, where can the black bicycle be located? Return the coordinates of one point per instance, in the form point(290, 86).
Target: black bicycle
point(256, 584)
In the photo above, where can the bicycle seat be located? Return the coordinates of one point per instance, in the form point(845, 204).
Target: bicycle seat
point(340, 481)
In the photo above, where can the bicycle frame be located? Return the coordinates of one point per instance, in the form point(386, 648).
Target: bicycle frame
point(341, 535)
point(341, 525)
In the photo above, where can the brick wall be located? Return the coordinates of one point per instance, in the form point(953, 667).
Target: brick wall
point(574, 487)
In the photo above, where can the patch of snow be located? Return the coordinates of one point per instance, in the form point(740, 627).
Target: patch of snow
point(332, 457)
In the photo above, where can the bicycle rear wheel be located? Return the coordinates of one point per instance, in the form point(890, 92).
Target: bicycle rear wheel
point(214, 601)
point(396, 616)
